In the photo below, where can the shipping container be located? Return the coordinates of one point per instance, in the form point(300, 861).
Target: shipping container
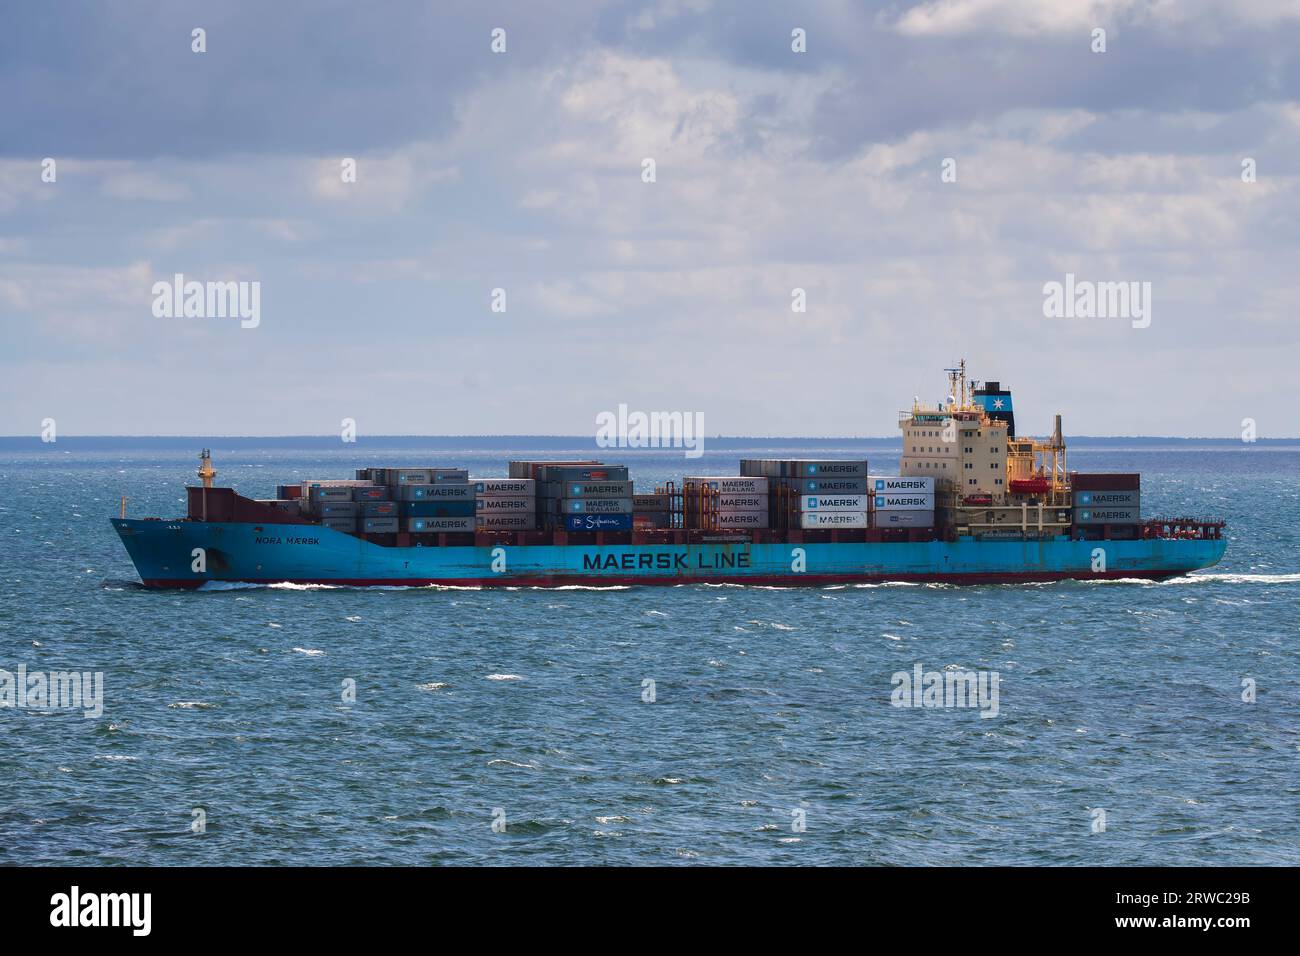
point(426, 525)
point(336, 509)
point(437, 509)
point(504, 487)
point(739, 519)
point(520, 505)
point(379, 509)
point(800, 468)
point(582, 473)
point(834, 503)
point(463, 491)
point(1107, 499)
point(1095, 516)
point(903, 502)
point(410, 476)
point(652, 519)
point(621, 522)
point(726, 502)
point(728, 484)
point(506, 522)
point(652, 502)
point(528, 468)
point(894, 484)
point(318, 492)
point(902, 519)
point(287, 492)
point(595, 506)
point(825, 486)
point(370, 493)
point(344, 524)
point(830, 520)
point(587, 489)
point(380, 525)
point(1098, 481)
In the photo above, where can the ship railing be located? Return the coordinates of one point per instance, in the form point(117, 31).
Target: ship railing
point(1183, 527)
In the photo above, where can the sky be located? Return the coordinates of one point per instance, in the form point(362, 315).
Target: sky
point(921, 171)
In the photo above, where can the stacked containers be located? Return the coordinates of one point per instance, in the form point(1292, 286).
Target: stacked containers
point(726, 502)
point(822, 494)
point(652, 511)
point(1107, 498)
point(505, 504)
point(901, 502)
point(376, 513)
point(330, 501)
point(589, 496)
point(430, 500)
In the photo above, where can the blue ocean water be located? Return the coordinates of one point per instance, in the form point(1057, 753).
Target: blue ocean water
point(771, 738)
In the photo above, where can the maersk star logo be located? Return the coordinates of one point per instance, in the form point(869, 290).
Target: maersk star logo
point(997, 403)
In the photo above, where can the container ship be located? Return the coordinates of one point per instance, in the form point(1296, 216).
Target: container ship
point(972, 503)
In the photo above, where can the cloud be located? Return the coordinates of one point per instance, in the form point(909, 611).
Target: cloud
point(775, 171)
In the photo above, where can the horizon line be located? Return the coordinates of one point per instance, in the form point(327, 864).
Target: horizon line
point(371, 438)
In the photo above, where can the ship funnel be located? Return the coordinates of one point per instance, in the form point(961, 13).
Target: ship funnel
point(996, 403)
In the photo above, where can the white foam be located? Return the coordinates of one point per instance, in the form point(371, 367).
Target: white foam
point(1196, 578)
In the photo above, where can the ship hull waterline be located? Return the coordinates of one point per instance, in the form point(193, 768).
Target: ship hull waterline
point(164, 554)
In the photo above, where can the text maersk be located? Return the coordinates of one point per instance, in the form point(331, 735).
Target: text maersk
point(667, 561)
point(267, 539)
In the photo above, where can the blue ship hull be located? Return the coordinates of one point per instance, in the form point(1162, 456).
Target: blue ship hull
point(164, 553)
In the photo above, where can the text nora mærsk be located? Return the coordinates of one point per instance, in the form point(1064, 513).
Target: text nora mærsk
point(54, 690)
point(208, 300)
point(952, 688)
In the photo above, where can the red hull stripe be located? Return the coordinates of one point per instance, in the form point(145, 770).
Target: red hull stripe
point(778, 580)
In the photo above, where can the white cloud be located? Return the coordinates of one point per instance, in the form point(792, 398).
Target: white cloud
point(1027, 18)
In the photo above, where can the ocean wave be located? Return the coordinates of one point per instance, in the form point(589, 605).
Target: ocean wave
point(1229, 578)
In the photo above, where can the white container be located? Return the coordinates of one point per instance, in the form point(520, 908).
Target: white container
point(740, 519)
point(504, 522)
point(902, 519)
point(729, 484)
point(905, 501)
point(504, 487)
point(834, 503)
point(830, 520)
point(894, 484)
point(727, 502)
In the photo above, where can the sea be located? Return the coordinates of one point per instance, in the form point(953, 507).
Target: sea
point(1133, 723)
